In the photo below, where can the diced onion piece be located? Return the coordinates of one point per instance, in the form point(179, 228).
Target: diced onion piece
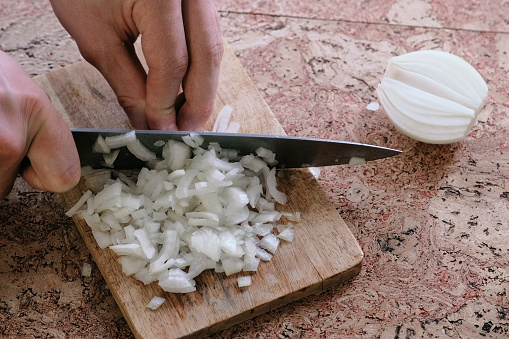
point(356, 161)
point(109, 158)
point(121, 140)
point(271, 187)
point(253, 163)
point(144, 276)
point(288, 234)
point(79, 203)
point(267, 155)
point(223, 118)
point(194, 140)
point(100, 145)
point(108, 197)
point(232, 265)
point(145, 244)
point(198, 265)
point(206, 241)
point(131, 265)
point(315, 171)
point(177, 281)
point(244, 281)
point(234, 127)
point(140, 151)
point(269, 242)
point(263, 254)
point(155, 302)
point(103, 238)
point(132, 249)
point(86, 270)
point(373, 106)
point(176, 154)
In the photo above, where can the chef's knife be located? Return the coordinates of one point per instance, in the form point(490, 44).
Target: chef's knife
point(291, 152)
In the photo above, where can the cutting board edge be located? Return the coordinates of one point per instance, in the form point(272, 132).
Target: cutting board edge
point(317, 288)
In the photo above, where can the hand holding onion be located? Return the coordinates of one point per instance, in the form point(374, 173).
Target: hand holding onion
point(181, 42)
point(35, 140)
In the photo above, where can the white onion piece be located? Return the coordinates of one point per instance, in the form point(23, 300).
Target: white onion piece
point(233, 127)
point(232, 265)
point(79, 203)
point(131, 265)
point(140, 151)
point(222, 120)
point(279, 196)
point(120, 140)
point(86, 270)
point(193, 140)
point(356, 161)
point(103, 238)
point(244, 281)
point(100, 145)
point(155, 302)
point(109, 158)
point(432, 96)
point(269, 242)
point(288, 234)
point(373, 106)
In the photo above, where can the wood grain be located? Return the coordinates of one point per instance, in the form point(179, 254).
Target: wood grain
point(323, 253)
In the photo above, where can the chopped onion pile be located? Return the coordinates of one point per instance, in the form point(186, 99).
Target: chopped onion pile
point(195, 209)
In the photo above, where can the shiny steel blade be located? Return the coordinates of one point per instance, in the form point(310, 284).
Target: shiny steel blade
point(291, 152)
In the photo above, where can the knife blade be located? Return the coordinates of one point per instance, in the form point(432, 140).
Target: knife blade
point(291, 152)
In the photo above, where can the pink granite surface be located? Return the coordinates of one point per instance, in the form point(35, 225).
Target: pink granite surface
point(433, 222)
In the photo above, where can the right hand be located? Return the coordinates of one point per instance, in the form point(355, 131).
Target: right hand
point(35, 141)
point(182, 45)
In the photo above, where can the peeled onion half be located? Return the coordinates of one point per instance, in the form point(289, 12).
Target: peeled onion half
point(432, 96)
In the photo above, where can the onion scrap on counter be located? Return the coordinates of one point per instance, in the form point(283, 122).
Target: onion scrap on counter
point(192, 210)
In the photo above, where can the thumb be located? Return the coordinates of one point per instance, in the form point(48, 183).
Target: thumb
point(53, 159)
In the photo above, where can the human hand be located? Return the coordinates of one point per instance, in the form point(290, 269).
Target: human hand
point(34, 139)
point(182, 45)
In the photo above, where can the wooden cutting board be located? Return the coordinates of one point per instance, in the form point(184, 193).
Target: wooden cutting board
point(324, 252)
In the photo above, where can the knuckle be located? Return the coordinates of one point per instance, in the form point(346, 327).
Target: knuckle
point(213, 54)
point(68, 179)
point(179, 64)
point(5, 189)
point(91, 51)
point(12, 149)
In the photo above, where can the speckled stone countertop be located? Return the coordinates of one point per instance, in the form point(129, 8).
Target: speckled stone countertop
point(433, 222)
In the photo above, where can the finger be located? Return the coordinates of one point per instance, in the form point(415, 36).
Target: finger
point(120, 66)
point(54, 163)
point(12, 139)
point(205, 47)
point(105, 33)
point(164, 46)
point(9, 166)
